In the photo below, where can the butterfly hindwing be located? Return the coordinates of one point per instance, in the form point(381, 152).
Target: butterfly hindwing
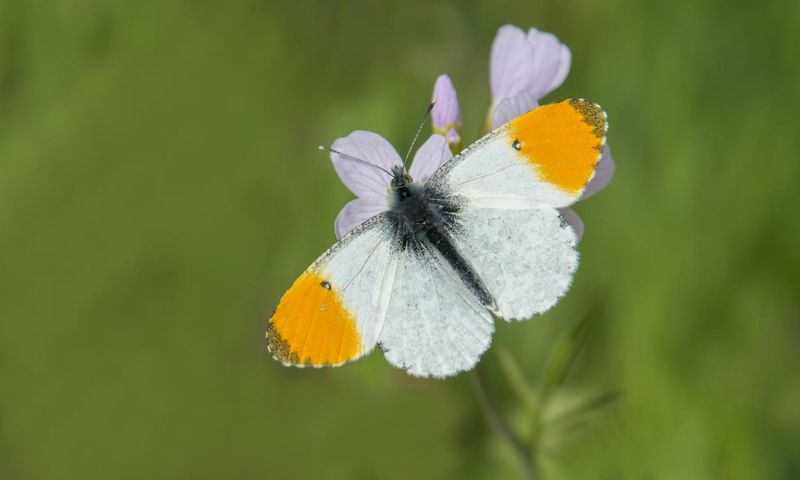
point(435, 326)
point(525, 257)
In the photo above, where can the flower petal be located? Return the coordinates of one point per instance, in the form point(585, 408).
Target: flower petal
point(602, 175)
point(365, 181)
point(446, 111)
point(510, 64)
point(574, 222)
point(551, 61)
point(429, 157)
point(510, 108)
point(355, 213)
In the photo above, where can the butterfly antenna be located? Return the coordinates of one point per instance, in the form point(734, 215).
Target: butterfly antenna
point(419, 130)
point(355, 159)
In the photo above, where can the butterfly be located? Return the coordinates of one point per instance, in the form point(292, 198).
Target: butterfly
point(481, 238)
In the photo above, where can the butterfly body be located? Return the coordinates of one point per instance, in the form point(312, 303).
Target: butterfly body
point(481, 238)
point(424, 221)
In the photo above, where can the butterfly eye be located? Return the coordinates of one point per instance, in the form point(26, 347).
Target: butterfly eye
point(516, 145)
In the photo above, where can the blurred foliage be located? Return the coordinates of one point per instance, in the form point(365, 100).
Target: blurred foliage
point(160, 188)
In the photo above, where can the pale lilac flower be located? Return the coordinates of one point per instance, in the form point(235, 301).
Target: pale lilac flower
point(446, 113)
point(602, 174)
point(371, 185)
point(523, 69)
point(571, 217)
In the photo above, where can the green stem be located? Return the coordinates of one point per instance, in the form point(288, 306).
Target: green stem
point(516, 379)
point(499, 423)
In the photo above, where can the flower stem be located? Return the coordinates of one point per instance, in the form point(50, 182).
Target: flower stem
point(499, 423)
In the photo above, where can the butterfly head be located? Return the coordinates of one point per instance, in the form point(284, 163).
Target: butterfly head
point(401, 181)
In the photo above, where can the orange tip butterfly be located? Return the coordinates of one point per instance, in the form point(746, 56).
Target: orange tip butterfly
point(482, 237)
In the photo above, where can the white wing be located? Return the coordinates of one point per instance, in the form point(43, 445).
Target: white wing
point(434, 326)
point(508, 186)
point(526, 258)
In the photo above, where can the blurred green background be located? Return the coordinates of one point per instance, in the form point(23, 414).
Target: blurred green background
point(160, 188)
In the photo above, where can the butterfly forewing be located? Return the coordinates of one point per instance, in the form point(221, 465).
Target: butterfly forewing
point(334, 311)
point(544, 157)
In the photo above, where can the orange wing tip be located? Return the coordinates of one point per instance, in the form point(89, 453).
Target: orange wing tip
point(563, 141)
point(312, 327)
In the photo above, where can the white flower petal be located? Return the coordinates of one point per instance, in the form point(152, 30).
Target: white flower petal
point(434, 153)
point(574, 222)
point(510, 108)
point(355, 213)
point(602, 175)
point(366, 182)
point(510, 64)
point(551, 61)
